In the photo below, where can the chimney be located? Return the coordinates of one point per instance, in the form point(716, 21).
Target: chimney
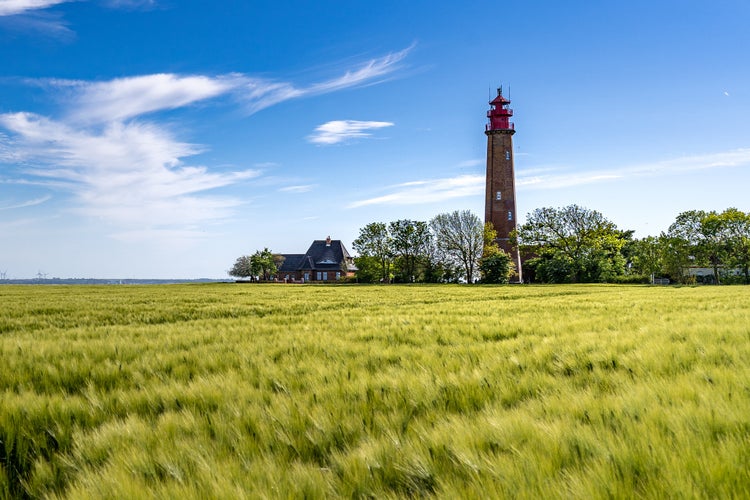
point(328, 241)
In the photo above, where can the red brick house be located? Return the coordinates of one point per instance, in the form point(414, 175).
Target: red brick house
point(325, 260)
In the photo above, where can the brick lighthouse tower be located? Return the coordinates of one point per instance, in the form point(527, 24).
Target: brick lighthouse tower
point(500, 193)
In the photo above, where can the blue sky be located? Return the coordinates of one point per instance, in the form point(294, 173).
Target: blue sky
point(163, 139)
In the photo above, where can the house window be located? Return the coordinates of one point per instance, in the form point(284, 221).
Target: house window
point(325, 276)
point(338, 276)
point(507, 155)
point(510, 215)
point(498, 196)
point(320, 276)
point(307, 277)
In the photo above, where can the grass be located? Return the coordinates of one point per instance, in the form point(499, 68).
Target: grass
point(378, 392)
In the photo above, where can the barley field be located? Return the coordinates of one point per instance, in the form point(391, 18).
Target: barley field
point(263, 391)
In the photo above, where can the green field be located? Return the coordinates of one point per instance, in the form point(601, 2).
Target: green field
point(264, 391)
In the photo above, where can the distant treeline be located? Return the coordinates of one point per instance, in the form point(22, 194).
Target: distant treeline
point(98, 281)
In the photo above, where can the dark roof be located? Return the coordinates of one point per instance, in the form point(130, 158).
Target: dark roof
point(323, 255)
point(291, 262)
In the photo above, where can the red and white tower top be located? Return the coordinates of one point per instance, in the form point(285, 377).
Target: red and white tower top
point(499, 113)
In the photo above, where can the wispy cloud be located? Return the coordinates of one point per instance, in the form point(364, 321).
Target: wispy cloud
point(132, 175)
point(28, 203)
point(471, 163)
point(559, 178)
point(337, 131)
point(436, 190)
point(15, 7)
point(261, 93)
point(38, 17)
point(428, 191)
point(125, 98)
point(297, 189)
point(370, 72)
point(108, 149)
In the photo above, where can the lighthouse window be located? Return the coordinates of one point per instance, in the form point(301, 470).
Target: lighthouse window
point(507, 155)
point(498, 196)
point(510, 215)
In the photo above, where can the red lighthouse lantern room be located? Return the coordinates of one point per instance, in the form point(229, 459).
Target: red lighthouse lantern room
point(499, 113)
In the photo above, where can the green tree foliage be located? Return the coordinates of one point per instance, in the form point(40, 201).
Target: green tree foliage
point(676, 256)
point(459, 237)
point(263, 264)
point(411, 243)
point(701, 232)
point(374, 242)
point(496, 265)
point(496, 268)
point(572, 245)
point(737, 232)
point(369, 270)
point(242, 267)
point(718, 240)
point(644, 257)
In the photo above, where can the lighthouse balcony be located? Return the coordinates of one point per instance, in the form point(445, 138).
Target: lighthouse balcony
point(499, 112)
point(500, 126)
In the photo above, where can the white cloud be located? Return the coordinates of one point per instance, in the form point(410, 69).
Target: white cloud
point(436, 190)
point(337, 131)
point(28, 203)
point(428, 191)
point(549, 179)
point(131, 175)
point(297, 189)
point(14, 7)
point(369, 71)
point(472, 163)
point(125, 98)
point(260, 93)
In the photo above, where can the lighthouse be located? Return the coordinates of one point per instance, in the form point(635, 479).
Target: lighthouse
point(500, 193)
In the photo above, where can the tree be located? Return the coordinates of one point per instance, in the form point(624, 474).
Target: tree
point(646, 256)
point(572, 244)
point(410, 243)
point(375, 241)
point(497, 268)
point(701, 232)
point(369, 269)
point(263, 264)
point(459, 236)
point(676, 254)
point(242, 267)
point(496, 264)
point(436, 267)
point(737, 232)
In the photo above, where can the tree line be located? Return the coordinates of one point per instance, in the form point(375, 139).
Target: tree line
point(571, 244)
point(452, 247)
point(578, 245)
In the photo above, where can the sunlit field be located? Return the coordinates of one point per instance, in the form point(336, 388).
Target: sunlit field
point(268, 391)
